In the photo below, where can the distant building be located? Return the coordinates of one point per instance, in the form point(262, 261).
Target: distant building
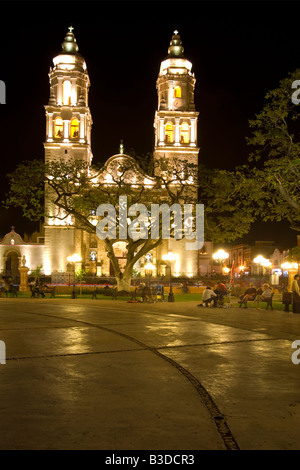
point(243, 255)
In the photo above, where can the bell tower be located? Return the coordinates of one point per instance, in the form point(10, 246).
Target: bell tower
point(68, 117)
point(68, 137)
point(176, 119)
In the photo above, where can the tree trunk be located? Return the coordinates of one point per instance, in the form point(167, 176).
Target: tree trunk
point(124, 282)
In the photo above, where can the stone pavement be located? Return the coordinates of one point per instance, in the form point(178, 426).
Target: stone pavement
point(112, 375)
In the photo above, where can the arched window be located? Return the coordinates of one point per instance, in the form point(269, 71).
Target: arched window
point(74, 128)
point(177, 92)
point(58, 128)
point(169, 132)
point(67, 92)
point(184, 133)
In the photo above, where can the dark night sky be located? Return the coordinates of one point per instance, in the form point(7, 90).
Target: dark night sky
point(239, 51)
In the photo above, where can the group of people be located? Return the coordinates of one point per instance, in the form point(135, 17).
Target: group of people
point(215, 296)
point(38, 288)
point(263, 294)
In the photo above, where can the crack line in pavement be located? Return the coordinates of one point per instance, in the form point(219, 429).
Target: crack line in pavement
point(145, 348)
point(206, 398)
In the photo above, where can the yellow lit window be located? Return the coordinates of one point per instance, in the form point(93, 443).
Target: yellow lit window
point(169, 132)
point(67, 92)
point(74, 128)
point(177, 92)
point(58, 128)
point(184, 133)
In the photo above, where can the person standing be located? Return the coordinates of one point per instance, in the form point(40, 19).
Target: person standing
point(296, 294)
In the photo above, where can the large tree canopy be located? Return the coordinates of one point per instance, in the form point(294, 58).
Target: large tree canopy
point(229, 212)
point(274, 184)
point(76, 190)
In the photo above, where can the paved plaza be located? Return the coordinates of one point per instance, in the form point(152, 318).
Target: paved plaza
point(113, 375)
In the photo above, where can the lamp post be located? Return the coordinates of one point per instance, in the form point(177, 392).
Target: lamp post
point(170, 257)
point(149, 268)
point(73, 260)
point(220, 256)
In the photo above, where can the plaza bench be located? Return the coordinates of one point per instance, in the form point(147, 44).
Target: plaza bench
point(36, 291)
point(11, 290)
point(269, 301)
point(113, 292)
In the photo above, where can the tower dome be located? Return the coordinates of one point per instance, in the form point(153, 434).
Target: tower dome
point(70, 45)
point(69, 58)
point(176, 49)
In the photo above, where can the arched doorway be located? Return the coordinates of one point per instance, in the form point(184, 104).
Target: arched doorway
point(12, 265)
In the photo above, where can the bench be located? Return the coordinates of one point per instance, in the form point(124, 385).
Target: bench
point(252, 302)
point(11, 290)
point(49, 290)
point(268, 301)
point(36, 291)
point(145, 293)
point(113, 292)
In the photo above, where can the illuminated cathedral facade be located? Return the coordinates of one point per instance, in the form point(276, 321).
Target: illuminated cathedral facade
point(68, 136)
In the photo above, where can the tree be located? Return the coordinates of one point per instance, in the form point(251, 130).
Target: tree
point(76, 190)
point(294, 255)
point(229, 212)
point(275, 143)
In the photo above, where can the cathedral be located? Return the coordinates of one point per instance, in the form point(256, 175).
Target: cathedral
point(68, 136)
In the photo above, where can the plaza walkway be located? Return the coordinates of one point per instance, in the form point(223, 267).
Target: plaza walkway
point(112, 375)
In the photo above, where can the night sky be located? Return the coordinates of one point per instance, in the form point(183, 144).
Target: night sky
point(239, 51)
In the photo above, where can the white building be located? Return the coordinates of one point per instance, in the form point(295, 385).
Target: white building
point(68, 136)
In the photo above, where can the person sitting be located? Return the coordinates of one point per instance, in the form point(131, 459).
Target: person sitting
point(207, 297)
point(42, 289)
point(249, 295)
point(266, 294)
point(221, 291)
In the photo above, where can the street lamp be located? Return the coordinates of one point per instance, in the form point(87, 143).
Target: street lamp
point(220, 256)
point(262, 263)
point(149, 268)
point(73, 260)
point(170, 257)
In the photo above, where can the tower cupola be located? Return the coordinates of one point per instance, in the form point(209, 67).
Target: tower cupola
point(69, 45)
point(176, 49)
